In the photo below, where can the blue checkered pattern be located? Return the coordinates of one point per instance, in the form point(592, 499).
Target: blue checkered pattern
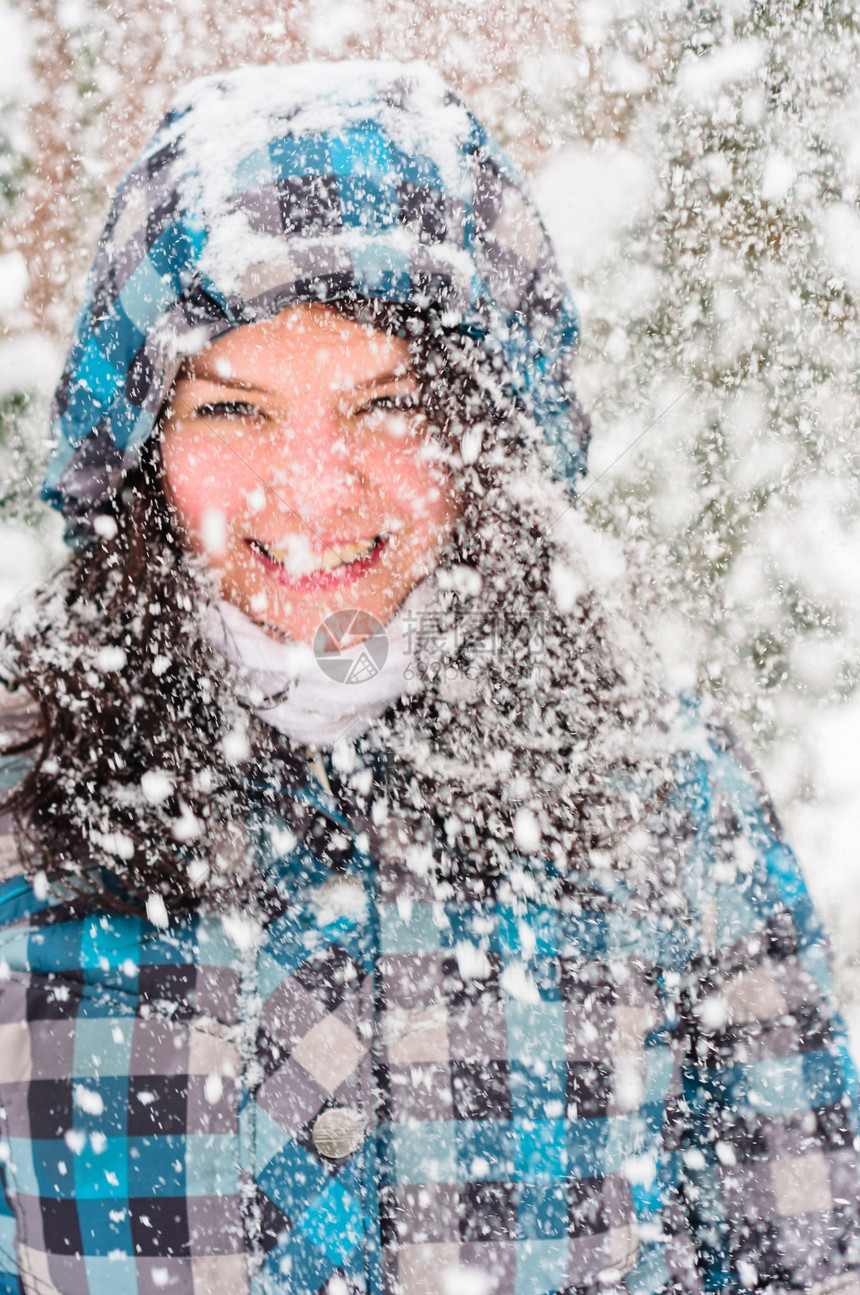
point(631, 1081)
point(272, 186)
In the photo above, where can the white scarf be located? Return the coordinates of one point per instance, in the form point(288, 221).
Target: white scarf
point(300, 697)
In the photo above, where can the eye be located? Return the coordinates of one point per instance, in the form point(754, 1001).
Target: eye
point(407, 403)
point(231, 410)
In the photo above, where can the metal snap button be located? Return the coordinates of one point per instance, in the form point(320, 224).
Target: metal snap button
point(337, 1132)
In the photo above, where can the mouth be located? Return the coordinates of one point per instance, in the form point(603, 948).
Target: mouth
point(337, 563)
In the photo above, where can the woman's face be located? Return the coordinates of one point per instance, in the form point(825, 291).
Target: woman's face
point(302, 469)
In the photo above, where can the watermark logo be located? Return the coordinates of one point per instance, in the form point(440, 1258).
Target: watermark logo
point(351, 646)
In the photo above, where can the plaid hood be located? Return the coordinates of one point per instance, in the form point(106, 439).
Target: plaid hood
point(276, 185)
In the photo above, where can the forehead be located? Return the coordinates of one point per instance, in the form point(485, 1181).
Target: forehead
point(306, 340)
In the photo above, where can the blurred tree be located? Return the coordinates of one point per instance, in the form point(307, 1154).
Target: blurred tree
point(730, 291)
point(717, 145)
point(18, 377)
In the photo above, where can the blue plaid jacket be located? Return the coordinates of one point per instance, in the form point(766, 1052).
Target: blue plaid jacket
point(625, 1082)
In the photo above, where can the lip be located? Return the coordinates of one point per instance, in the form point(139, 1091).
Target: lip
point(320, 580)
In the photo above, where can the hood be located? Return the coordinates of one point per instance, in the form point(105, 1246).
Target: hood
point(271, 186)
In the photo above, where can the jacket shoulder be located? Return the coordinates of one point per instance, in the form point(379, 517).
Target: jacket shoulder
point(743, 877)
point(712, 755)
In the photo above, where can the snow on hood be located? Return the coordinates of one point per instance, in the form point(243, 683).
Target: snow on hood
point(270, 186)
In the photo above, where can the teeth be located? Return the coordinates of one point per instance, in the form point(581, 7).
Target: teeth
point(345, 553)
point(330, 559)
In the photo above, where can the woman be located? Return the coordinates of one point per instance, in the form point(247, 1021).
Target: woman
point(382, 927)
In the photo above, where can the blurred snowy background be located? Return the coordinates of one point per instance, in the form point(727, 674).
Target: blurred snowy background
point(698, 165)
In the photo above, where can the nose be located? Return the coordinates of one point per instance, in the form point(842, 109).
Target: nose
point(313, 465)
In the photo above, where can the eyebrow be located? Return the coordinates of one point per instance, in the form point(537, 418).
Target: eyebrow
point(218, 380)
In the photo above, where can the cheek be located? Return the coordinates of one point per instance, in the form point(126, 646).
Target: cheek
point(205, 488)
point(433, 499)
point(418, 486)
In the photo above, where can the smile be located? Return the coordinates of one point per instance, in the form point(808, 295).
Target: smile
point(338, 563)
